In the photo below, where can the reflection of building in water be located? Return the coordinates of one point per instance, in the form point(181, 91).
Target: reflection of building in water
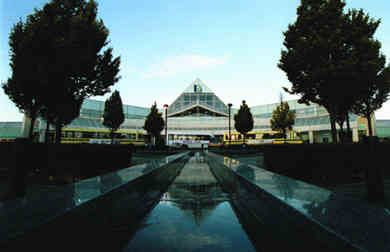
point(196, 191)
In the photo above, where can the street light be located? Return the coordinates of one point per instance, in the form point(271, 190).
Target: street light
point(230, 135)
point(166, 123)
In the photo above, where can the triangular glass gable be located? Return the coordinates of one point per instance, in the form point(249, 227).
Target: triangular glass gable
point(197, 100)
point(197, 86)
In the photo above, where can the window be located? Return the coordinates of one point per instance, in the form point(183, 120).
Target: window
point(88, 134)
point(69, 134)
point(209, 99)
point(266, 136)
point(251, 136)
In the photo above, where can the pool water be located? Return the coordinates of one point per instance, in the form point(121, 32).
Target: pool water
point(194, 214)
point(190, 214)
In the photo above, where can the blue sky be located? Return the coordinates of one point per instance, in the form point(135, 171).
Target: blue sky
point(232, 46)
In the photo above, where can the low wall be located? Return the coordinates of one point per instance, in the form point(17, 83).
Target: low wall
point(326, 164)
point(61, 161)
point(88, 212)
point(280, 225)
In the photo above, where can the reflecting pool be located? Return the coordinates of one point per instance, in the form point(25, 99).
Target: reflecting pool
point(178, 207)
point(194, 214)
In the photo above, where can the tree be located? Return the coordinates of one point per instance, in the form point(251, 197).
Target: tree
point(154, 123)
point(345, 54)
point(113, 113)
point(371, 76)
point(21, 87)
point(243, 120)
point(282, 118)
point(377, 93)
point(64, 40)
point(316, 57)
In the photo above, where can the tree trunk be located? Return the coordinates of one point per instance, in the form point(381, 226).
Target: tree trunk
point(348, 125)
point(341, 133)
point(58, 133)
point(112, 137)
point(368, 117)
point(31, 130)
point(284, 133)
point(342, 136)
point(47, 132)
point(333, 128)
point(349, 131)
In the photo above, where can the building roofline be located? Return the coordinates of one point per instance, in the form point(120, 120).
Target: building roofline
point(197, 105)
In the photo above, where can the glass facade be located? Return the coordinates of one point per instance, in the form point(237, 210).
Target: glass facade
point(200, 97)
point(10, 129)
point(95, 109)
point(383, 128)
point(199, 110)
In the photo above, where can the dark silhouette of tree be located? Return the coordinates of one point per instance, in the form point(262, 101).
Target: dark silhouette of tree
point(243, 120)
point(377, 93)
point(328, 53)
point(23, 86)
point(365, 66)
point(113, 113)
point(64, 40)
point(282, 118)
point(154, 123)
point(371, 76)
point(314, 57)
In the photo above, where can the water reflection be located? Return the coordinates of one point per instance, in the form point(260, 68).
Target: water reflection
point(108, 217)
point(194, 214)
point(327, 211)
point(195, 191)
point(285, 186)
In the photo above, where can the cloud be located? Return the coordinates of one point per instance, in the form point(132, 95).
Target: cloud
point(182, 64)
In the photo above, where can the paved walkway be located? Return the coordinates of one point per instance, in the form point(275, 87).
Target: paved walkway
point(32, 181)
point(359, 191)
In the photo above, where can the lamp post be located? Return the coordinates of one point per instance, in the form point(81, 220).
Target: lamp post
point(230, 135)
point(166, 124)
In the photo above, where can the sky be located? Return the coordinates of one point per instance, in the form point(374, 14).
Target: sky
point(232, 46)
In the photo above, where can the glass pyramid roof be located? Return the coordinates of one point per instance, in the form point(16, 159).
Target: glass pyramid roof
point(197, 100)
point(197, 86)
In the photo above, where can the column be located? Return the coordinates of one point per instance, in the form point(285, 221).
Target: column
point(355, 135)
point(26, 126)
point(42, 131)
point(311, 137)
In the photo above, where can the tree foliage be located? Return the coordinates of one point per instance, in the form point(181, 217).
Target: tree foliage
point(282, 118)
point(113, 115)
point(243, 120)
point(371, 77)
point(154, 122)
point(316, 55)
point(328, 56)
point(377, 93)
point(21, 87)
point(61, 43)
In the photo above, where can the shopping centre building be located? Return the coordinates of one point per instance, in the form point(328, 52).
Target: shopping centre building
point(198, 112)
